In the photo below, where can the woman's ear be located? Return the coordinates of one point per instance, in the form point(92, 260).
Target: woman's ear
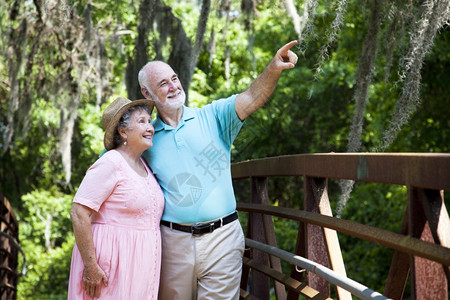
point(122, 133)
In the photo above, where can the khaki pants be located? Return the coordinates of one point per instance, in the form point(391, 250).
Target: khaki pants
point(206, 266)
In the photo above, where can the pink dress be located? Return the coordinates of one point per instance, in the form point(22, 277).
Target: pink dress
point(125, 229)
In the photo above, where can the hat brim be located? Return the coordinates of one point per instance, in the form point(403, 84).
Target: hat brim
point(108, 139)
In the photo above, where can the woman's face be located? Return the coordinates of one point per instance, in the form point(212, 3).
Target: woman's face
point(139, 133)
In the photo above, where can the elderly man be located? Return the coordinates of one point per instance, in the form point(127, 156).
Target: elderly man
point(202, 241)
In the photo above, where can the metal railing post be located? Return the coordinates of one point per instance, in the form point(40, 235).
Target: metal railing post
point(399, 269)
point(323, 243)
point(9, 250)
point(259, 194)
point(426, 212)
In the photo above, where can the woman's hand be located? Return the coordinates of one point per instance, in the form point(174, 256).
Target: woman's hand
point(93, 275)
point(93, 279)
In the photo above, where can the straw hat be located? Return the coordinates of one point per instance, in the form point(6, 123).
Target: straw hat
point(114, 112)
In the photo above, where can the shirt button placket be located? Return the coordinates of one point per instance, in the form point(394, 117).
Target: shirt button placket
point(179, 140)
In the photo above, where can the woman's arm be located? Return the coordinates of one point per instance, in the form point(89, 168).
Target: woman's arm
point(93, 275)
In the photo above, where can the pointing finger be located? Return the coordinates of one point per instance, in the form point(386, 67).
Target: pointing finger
point(285, 49)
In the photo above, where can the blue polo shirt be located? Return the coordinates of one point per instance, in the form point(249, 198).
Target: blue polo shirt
point(192, 162)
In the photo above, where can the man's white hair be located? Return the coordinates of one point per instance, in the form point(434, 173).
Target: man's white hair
point(142, 76)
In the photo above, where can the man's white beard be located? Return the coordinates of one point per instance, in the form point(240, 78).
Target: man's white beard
point(173, 104)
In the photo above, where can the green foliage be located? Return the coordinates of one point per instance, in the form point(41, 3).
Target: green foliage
point(87, 141)
point(47, 275)
point(90, 129)
point(380, 206)
point(286, 232)
point(46, 239)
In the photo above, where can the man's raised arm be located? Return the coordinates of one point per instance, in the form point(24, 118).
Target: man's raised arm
point(263, 86)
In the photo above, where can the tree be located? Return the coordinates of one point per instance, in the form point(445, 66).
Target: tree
point(63, 61)
point(183, 56)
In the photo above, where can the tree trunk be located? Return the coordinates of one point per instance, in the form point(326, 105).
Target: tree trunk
point(146, 15)
point(183, 56)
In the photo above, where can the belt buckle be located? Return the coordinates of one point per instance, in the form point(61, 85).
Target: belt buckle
point(196, 229)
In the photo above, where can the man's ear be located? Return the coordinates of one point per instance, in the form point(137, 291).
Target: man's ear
point(146, 93)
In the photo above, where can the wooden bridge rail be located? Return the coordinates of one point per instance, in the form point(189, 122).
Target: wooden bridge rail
point(421, 248)
point(9, 250)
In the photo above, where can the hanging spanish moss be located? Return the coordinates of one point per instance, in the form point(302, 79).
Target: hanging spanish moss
point(248, 7)
point(86, 65)
point(63, 36)
point(361, 94)
point(302, 24)
point(211, 48)
point(395, 19)
point(364, 78)
point(15, 55)
point(226, 6)
point(435, 15)
point(71, 46)
point(331, 35)
point(200, 35)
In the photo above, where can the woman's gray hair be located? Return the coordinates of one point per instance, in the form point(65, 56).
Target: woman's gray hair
point(125, 123)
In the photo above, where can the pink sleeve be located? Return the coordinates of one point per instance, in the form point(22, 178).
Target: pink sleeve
point(98, 183)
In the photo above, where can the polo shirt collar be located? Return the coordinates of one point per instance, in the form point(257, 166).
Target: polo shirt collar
point(188, 114)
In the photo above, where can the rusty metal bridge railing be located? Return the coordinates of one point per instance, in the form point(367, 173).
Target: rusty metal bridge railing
point(421, 248)
point(9, 250)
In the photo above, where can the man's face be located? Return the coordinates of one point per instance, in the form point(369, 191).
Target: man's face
point(165, 87)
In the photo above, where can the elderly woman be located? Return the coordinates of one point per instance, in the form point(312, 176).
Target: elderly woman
point(116, 213)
